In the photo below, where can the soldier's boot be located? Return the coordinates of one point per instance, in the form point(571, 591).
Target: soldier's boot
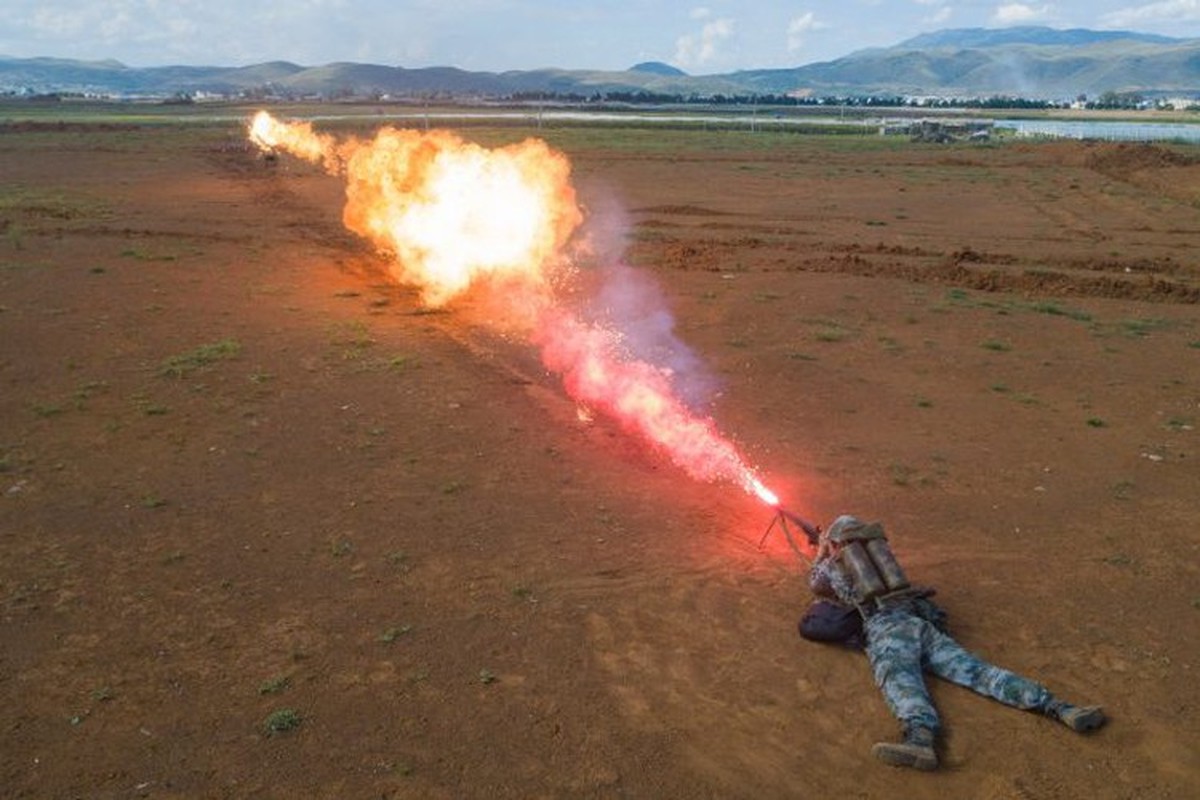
point(1081, 719)
point(915, 751)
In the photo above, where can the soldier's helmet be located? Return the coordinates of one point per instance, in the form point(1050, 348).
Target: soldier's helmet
point(843, 527)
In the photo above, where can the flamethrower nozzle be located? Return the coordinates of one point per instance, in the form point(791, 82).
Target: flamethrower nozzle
point(812, 533)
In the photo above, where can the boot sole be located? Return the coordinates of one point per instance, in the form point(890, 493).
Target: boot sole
point(904, 758)
point(1090, 720)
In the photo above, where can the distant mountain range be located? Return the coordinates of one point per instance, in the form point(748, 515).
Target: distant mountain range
point(1030, 62)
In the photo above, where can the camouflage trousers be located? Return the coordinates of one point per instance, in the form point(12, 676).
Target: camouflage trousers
point(901, 646)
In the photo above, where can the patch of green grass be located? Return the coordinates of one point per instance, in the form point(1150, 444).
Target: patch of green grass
point(87, 390)
point(1055, 309)
point(45, 410)
point(486, 676)
point(274, 685)
point(15, 234)
point(924, 402)
point(902, 474)
point(454, 487)
point(795, 355)
point(999, 388)
point(282, 720)
point(1179, 424)
point(153, 501)
point(831, 333)
point(1096, 422)
point(341, 547)
point(1195, 344)
point(1139, 328)
point(179, 366)
point(392, 634)
point(400, 362)
point(353, 337)
point(145, 255)
point(1122, 490)
point(1119, 560)
point(996, 346)
point(103, 694)
point(174, 557)
point(154, 409)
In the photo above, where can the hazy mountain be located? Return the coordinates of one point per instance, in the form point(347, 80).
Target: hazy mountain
point(995, 37)
point(658, 68)
point(1032, 62)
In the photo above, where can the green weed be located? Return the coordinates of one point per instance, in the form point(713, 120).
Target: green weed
point(274, 685)
point(45, 410)
point(902, 474)
point(353, 337)
point(181, 365)
point(996, 346)
point(282, 720)
point(145, 255)
point(831, 333)
point(392, 634)
point(1139, 328)
point(1055, 309)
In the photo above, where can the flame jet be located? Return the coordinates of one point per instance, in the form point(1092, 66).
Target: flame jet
point(457, 215)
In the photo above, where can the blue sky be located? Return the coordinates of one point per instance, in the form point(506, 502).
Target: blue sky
point(496, 35)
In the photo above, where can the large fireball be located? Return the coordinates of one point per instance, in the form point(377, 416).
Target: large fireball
point(456, 215)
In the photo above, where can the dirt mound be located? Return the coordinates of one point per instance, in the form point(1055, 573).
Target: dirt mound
point(1126, 157)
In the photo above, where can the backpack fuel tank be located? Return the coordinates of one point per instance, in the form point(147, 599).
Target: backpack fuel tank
point(869, 563)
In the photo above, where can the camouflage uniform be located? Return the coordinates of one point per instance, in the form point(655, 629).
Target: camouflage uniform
point(904, 640)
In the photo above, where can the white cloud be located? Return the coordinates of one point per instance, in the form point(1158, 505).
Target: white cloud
point(940, 16)
point(700, 12)
point(696, 49)
point(1019, 13)
point(940, 11)
point(1162, 11)
point(799, 27)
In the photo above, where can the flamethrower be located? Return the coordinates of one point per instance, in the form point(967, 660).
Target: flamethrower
point(812, 533)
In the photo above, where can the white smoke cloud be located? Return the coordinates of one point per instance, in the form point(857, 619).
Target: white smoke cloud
point(1162, 11)
point(700, 48)
point(1020, 13)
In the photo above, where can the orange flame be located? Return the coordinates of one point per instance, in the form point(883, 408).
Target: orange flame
point(455, 214)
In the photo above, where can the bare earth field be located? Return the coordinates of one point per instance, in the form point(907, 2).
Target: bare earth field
point(242, 473)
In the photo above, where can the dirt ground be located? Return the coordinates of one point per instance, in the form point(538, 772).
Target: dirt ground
point(242, 474)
